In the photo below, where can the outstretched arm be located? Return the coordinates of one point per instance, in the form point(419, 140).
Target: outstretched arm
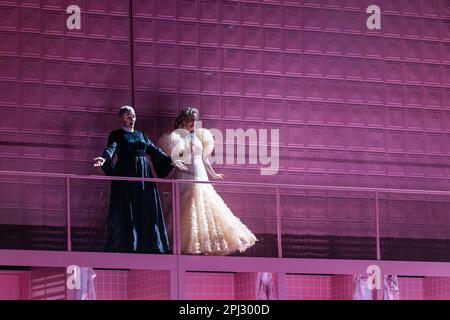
point(162, 163)
point(106, 159)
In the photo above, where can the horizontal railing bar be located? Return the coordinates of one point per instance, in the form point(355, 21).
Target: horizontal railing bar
point(230, 183)
point(82, 177)
point(218, 263)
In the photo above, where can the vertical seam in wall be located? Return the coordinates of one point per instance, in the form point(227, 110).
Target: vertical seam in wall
point(131, 52)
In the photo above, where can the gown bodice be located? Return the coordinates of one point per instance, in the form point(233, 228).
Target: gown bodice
point(191, 148)
point(193, 159)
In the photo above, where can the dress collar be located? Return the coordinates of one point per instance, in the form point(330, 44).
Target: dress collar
point(127, 130)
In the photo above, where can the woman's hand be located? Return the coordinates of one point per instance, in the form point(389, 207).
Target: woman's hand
point(99, 161)
point(179, 165)
point(218, 176)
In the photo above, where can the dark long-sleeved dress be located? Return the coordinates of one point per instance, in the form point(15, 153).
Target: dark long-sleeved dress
point(136, 219)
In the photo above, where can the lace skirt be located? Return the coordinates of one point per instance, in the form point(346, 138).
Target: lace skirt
point(208, 226)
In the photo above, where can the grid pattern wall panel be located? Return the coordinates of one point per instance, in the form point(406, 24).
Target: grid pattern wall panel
point(436, 288)
point(47, 283)
point(59, 94)
point(375, 100)
point(61, 88)
point(148, 285)
point(210, 286)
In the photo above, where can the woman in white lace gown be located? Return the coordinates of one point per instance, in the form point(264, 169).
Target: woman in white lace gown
point(207, 224)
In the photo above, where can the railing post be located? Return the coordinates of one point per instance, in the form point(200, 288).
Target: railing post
point(177, 215)
point(69, 236)
point(174, 228)
point(280, 247)
point(377, 221)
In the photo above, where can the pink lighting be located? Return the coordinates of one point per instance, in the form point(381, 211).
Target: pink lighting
point(363, 122)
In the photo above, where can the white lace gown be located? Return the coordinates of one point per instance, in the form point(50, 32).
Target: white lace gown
point(208, 226)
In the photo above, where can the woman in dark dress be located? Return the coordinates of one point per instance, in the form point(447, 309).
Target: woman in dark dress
point(135, 222)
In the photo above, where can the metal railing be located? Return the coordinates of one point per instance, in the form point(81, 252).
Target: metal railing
point(175, 187)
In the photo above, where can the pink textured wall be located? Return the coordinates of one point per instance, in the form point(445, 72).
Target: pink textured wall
point(437, 288)
point(148, 285)
point(308, 287)
point(14, 285)
point(48, 284)
point(9, 287)
point(210, 286)
point(353, 106)
point(59, 86)
point(412, 288)
point(341, 287)
point(245, 286)
point(375, 100)
point(111, 284)
point(225, 286)
point(60, 90)
point(132, 285)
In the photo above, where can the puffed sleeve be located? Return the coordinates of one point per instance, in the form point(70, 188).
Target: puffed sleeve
point(207, 141)
point(108, 154)
point(162, 163)
point(174, 144)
